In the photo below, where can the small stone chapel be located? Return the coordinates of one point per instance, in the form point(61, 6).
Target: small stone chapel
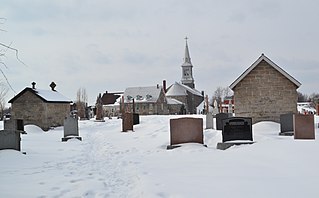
point(265, 91)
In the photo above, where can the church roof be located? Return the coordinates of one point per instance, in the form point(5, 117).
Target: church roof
point(179, 89)
point(142, 94)
point(275, 66)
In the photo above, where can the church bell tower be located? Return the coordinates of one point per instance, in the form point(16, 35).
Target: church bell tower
point(187, 69)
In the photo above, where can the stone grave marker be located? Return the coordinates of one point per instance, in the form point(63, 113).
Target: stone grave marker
point(236, 131)
point(10, 139)
point(136, 118)
point(127, 122)
point(215, 108)
point(219, 118)
point(304, 126)
point(71, 128)
point(14, 124)
point(209, 121)
point(185, 130)
point(286, 124)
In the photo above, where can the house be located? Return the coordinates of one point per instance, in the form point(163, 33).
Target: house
point(145, 100)
point(44, 108)
point(111, 103)
point(265, 91)
point(185, 91)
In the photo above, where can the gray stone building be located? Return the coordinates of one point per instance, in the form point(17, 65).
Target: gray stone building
point(265, 91)
point(147, 100)
point(189, 98)
point(44, 108)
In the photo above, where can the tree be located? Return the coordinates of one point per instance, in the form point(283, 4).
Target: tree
point(81, 102)
point(302, 97)
point(220, 93)
point(3, 93)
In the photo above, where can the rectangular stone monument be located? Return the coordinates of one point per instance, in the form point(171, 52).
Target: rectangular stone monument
point(10, 139)
point(127, 122)
point(136, 118)
point(185, 130)
point(304, 126)
point(14, 124)
point(236, 131)
point(286, 124)
point(71, 128)
point(219, 118)
point(209, 121)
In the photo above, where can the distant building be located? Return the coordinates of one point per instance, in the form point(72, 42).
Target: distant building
point(44, 108)
point(265, 91)
point(146, 100)
point(111, 103)
point(185, 92)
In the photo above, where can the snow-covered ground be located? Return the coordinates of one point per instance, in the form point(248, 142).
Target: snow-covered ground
point(110, 163)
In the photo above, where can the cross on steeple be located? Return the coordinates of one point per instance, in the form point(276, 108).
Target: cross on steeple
point(186, 38)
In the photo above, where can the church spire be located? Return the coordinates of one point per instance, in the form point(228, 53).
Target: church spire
point(187, 69)
point(187, 58)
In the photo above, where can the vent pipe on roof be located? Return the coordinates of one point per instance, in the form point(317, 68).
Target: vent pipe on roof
point(52, 85)
point(33, 85)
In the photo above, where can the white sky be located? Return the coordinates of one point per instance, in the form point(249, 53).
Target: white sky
point(110, 45)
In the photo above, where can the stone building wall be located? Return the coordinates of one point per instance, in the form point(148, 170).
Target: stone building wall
point(264, 94)
point(33, 110)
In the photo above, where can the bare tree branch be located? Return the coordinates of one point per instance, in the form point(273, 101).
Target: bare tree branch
point(14, 49)
point(5, 77)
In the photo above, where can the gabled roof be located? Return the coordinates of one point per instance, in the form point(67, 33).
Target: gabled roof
point(179, 89)
point(48, 96)
point(276, 67)
point(142, 94)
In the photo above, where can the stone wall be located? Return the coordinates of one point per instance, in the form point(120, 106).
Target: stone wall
point(264, 94)
point(33, 110)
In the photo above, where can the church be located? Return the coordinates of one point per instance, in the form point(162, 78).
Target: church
point(185, 91)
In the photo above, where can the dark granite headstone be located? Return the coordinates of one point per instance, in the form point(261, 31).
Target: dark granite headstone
point(286, 124)
point(10, 139)
point(14, 124)
point(186, 130)
point(127, 122)
point(304, 126)
point(136, 118)
point(219, 118)
point(237, 128)
point(71, 128)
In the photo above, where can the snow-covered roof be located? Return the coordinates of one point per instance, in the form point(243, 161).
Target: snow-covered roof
point(275, 66)
point(179, 89)
point(45, 95)
point(172, 101)
point(142, 94)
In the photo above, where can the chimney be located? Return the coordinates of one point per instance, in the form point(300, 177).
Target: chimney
point(33, 85)
point(52, 85)
point(164, 86)
point(157, 86)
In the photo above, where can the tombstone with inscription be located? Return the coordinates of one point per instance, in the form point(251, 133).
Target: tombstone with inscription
point(304, 126)
point(127, 122)
point(219, 118)
point(10, 139)
point(71, 128)
point(236, 131)
point(286, 124)
point(209, 121)
point(185, 130)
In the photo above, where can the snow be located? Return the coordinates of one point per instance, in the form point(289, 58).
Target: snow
point(110, 163)
point(51, 96)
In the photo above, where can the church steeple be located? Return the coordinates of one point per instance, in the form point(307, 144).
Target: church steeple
point(187, 69)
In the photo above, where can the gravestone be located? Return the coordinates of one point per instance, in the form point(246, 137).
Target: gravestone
point(136, 118)
point(209, 121)
point(236, 129)
point(287, 124)
point(215, 108)
point(185, 130)
point(10, 139)
point(71, 128)
point(304, 126)
point(14, 124)
point(127, 122)
point(219, 118)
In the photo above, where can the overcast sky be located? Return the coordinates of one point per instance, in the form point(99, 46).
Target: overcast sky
point(108, 45)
